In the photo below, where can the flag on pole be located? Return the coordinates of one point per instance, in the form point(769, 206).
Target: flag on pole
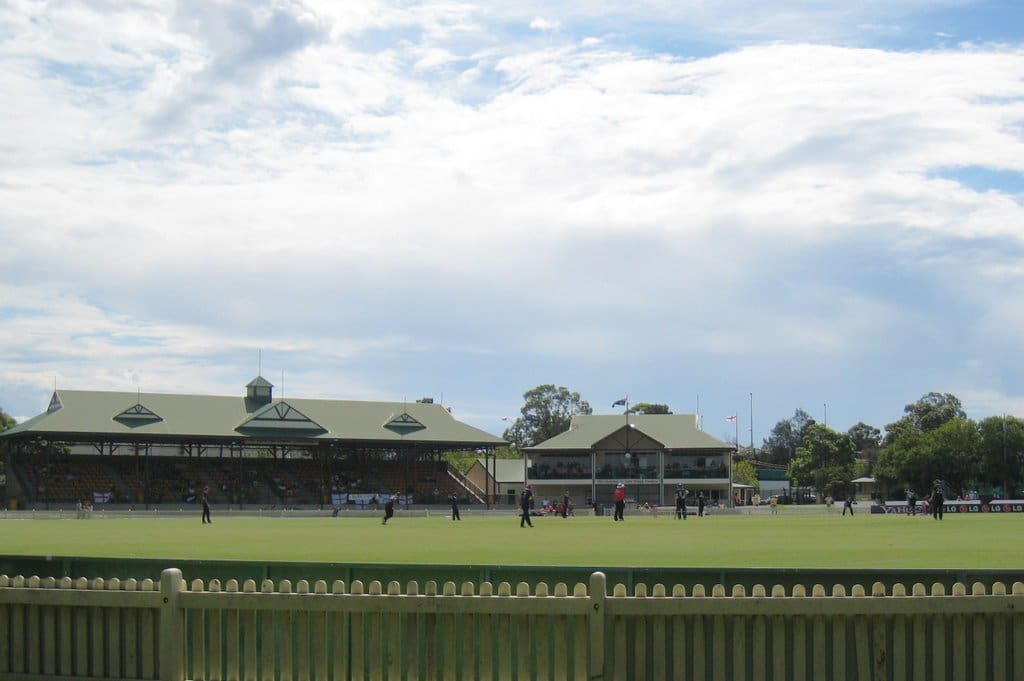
point(621, 402)
point(730, 419)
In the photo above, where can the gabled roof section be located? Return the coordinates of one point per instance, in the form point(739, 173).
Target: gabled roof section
point(55, 403)
point(280, 416)
point(259, 382)
point(628, 438)
point(672, 431)
point(404, 423)
point(87, 415)
point(138, 414)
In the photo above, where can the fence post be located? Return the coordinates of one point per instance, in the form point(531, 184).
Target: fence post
point(598, 593)
point(172, 627)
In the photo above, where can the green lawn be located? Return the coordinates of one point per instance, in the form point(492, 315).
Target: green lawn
point(974, 541)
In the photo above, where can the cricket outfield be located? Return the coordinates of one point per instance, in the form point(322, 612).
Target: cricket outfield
point(983, 541)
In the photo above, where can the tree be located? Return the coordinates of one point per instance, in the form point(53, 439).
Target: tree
point(546, 412)
point(866, 439)
point(904, 461)
point(6, 420)
point(954, 449)
point(463, 460)
point(927, 414)
point(1000, 453)
point(916, 457)
point(645, 408)
point(781, 445)
point(934, 410)
point(824, 460)
point(744, 473)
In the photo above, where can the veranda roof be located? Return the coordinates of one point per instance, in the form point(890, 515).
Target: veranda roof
point(672, 431)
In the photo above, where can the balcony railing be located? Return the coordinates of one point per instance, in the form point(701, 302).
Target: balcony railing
point(544, 472)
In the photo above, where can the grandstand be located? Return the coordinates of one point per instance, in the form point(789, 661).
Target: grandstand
point(262, 482)
point(151, 449)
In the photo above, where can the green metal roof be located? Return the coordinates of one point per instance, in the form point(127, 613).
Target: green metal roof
point(90, 414)
point(673, 431)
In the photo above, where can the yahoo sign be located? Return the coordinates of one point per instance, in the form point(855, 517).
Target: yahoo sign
point(995, 506)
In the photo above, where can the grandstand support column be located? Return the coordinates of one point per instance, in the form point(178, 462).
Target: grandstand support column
point(323, 454)
point(661, 478)
point(489, 454)
point(487, 482)
point(49, 461)
point(495, 487)
point(145, 476)
point(593, 478)
point(241, 473)
point(5, 461)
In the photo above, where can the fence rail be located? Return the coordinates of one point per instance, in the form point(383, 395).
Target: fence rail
point(128, 630)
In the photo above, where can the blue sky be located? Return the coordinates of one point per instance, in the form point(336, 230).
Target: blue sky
point(813, 203)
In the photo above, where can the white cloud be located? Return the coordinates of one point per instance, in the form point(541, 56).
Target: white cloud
point(542, 24)
point(50, 337)
point(980, 404)
point(592, 141)
point(410, 173)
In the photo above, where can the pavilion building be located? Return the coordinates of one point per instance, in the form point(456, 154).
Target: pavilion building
point(650, 453)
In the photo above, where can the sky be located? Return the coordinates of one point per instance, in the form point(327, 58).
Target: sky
point(731, 207)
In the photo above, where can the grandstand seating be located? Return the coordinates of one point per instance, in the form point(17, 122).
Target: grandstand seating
point(70, 480)
point(263, 481)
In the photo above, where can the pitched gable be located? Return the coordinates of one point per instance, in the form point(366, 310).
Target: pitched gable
point(137, 414)
point(628, 439)
point(280, 416)
point(403, 423)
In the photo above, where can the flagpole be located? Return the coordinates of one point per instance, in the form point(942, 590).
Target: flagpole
point(732, 495)
point(732, 458)
point(1006, 492)
point(751, 423)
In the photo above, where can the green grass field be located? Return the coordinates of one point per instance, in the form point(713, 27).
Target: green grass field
point(811, 541)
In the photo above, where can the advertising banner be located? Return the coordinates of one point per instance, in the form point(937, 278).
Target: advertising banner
point(363, 501)
point(994, 506)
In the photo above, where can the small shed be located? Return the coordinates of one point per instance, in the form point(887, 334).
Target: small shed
point(864, 487)
point(744, 493)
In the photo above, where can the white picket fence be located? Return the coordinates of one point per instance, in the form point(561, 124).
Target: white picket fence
point(127, 630)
